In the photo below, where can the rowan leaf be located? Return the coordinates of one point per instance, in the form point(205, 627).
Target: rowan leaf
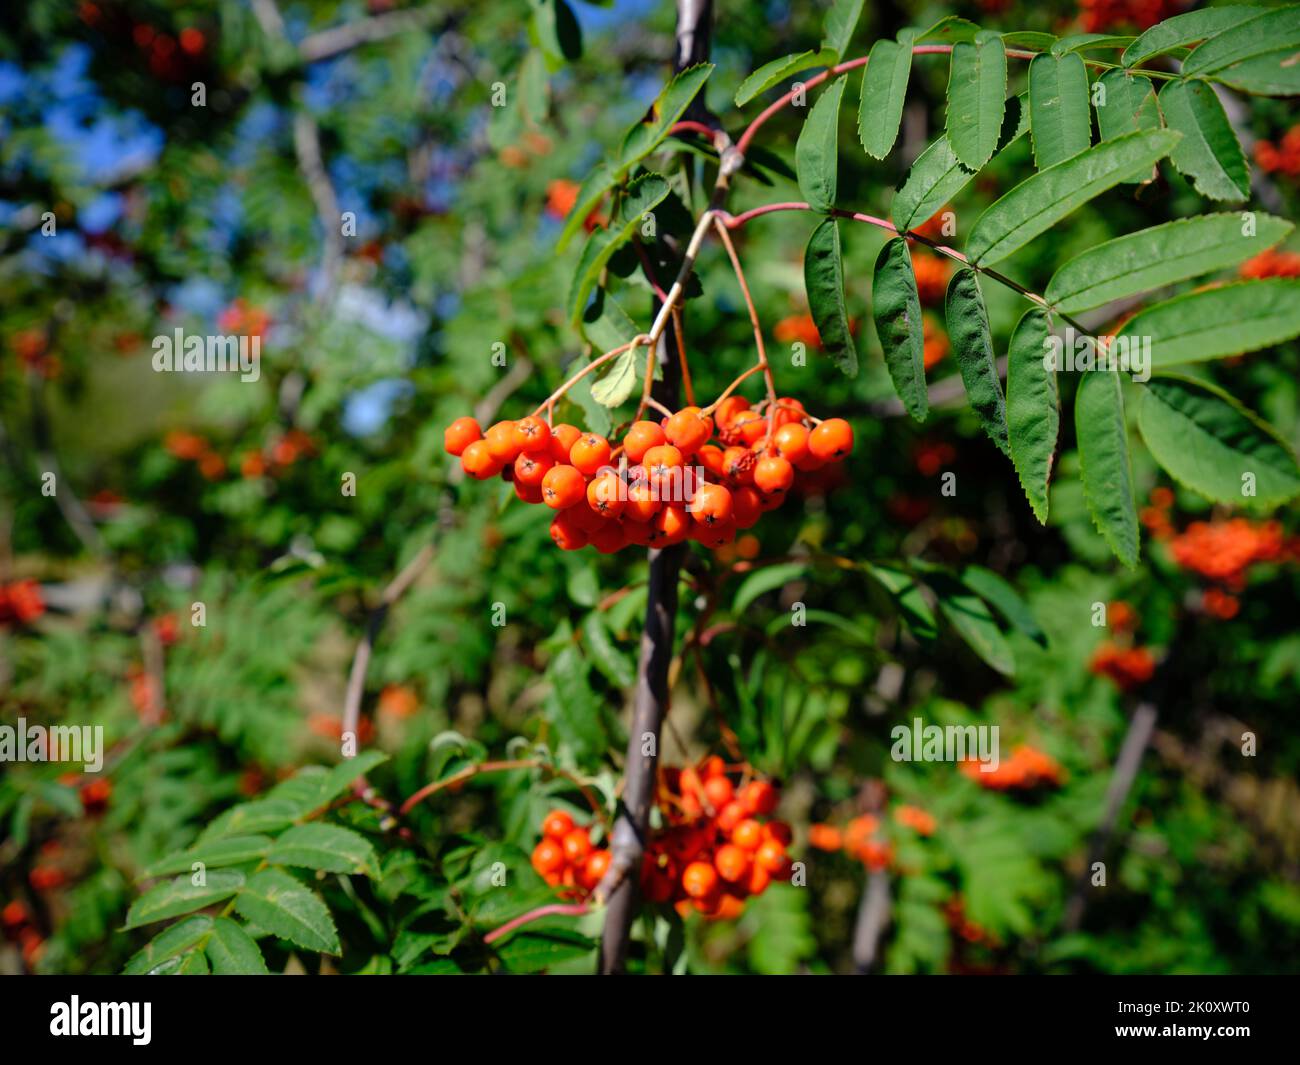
point(668, 108)
point(938, 175)
point(1216, 322)
point(778, 70)
point(1038, 203)
point(1104, 462)
point(1182, 30)
point(1058, 108)
point(816, 154)
point(182, 895)
point(1033, 408)
point(1267, 32)
point(896, 307)
point(1209, 153)
point(1127, 105)
point(279, 904)
point(1162, 255)
point(972, 347)
point(884, 90)
point(232, 951)
point(331, 848)
point(977, 91)
point(841, 21)
point(1209, 442)
point(823, 271)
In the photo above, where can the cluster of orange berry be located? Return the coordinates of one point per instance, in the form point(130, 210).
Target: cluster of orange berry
point(715, 849)
point(1272, 263)
point(1128, 667)
point(566, 858)
point(21, 602)
point(861, 838)
point(1027, 768)
point(1283, 157)
point(665, 482)
point(716, 845)
point(1224, 550)
point(288, 449)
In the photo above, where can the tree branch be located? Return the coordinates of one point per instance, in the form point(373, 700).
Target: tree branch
point(338, 39)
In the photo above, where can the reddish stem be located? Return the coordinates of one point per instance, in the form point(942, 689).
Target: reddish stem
point(742, 145)
point(687, 126)
point(554, 909)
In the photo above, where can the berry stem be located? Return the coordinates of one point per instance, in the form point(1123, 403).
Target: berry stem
point(461, 776)
point(763, 364)
point(550, 400)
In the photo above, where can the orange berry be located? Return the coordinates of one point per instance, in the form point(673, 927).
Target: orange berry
point(594, 869)
point(660, 462)
point(641, 438)
point(670, 525)
point(788, 411)
point(548, 857)
point(758, 880)
point(831, 440)
point(773, 474)
point(585, 518)
point(563, 437)
point(746, 506)
point(791, 442)
point(529, 493)
point(759, 797)
point(689, 429)
point(719, 791)
point(710, 457)
point(460, 434)
point(770, 856)
point(535, 433)
point(531, 467)
point(730, 815)
point(779, 831)
point(732, 862)
point(610, 537)
point(825, 837)
point(711, 505)
point(713, 766)
point(505, 441)
point(478, 461)
point(606, 494)
point(577, 845)
point(557, 824)
point(726, 412)
point(589, 454)
point(699, 880)
point(747, 834)
point(566, 534)
point(750, 426)
point(641, 504)
point(562, 487)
